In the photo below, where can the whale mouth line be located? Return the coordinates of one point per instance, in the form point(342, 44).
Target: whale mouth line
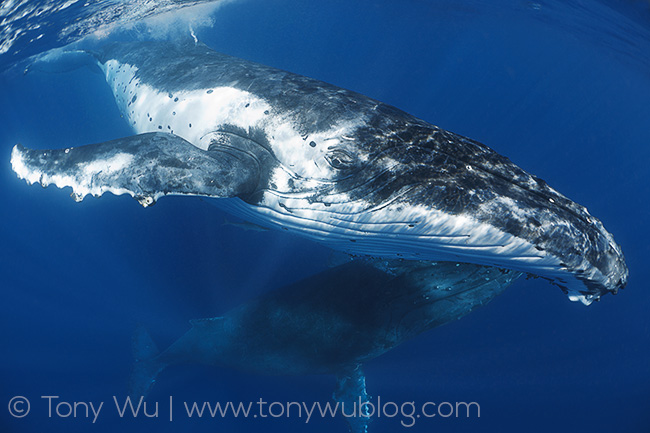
point(298, 221)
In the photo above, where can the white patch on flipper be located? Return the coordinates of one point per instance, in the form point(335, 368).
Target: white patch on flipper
point(579, 297)
point(110, 165)
point(81, 184)
point(19, 167)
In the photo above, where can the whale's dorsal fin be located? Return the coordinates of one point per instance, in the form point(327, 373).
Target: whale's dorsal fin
point(350, 394)
point(146, 166)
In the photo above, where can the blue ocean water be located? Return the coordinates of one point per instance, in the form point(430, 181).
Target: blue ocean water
point(561, 88)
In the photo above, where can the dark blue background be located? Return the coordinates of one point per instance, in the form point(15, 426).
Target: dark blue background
point(559, 88)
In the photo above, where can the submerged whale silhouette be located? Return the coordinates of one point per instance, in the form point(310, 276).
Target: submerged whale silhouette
point(330, 323)
point(285, 151)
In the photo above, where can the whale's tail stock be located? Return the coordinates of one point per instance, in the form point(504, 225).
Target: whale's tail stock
point(146, 367)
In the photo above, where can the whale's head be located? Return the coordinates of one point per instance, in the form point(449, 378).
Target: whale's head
point(396, 187)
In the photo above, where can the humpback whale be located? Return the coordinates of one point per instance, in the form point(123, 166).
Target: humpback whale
point(289, 152)
point(329, 323)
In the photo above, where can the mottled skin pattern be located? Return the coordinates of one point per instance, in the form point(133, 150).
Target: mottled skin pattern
point(161, 164)
point(389, 161)
point(436, 168)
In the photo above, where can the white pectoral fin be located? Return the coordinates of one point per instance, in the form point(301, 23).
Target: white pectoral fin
point(145, 166)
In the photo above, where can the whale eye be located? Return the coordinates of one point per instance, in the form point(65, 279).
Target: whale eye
point(339, 159)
